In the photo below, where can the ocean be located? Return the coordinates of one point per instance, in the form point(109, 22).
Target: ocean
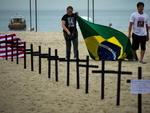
point(50, 20)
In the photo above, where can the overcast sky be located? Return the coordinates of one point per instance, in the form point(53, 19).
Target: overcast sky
point(77, 4)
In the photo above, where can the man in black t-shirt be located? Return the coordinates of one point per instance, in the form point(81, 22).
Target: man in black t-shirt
point(70, 31)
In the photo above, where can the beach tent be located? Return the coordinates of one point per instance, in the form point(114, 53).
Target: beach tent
point(10, 49)
point(103, 42)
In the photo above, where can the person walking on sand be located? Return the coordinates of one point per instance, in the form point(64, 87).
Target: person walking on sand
point(138, 25)
point(70, 31)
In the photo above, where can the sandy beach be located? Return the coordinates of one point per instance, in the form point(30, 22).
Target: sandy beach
point(23, 91)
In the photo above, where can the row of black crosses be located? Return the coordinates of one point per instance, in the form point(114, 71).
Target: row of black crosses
point(87, 65)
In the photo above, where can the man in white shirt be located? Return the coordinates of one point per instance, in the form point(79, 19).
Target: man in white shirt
point(138, 25)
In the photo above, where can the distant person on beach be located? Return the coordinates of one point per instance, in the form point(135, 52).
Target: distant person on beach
point(70, 31)
point(138, 24)
point(110, 25)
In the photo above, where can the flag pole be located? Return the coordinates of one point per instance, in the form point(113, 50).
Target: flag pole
point(93, 9)
point(88, 11)
point(36, 15)
point(30, 14)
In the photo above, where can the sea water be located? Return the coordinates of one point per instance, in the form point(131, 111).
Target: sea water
point(50, 20)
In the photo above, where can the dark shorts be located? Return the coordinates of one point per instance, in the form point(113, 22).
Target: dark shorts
point(138, 41)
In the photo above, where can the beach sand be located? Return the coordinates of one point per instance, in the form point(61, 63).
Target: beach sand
point(24, 91)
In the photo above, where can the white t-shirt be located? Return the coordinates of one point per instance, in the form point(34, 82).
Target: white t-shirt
point(139, 23)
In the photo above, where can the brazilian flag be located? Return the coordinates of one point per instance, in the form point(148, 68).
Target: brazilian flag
point(103, 42)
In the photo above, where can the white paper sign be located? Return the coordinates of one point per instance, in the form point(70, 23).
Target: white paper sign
point(140, 86)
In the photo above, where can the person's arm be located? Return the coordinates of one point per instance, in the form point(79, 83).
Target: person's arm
point(64, 27)
point(130, 29)
point(131, 22)
point(147, 28)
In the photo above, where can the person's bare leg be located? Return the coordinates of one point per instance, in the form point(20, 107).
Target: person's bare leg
point(135, 55)
point(142, 55)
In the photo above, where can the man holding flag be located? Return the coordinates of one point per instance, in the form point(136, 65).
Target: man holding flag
point(70, 31)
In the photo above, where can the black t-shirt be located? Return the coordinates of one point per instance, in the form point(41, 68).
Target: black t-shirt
point(70, 22)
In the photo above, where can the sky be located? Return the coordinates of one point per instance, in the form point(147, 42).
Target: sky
point(77, 4)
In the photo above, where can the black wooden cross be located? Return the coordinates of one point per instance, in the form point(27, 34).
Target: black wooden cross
point(139, 95)
point(42, 55)
point(77, 61)
point(87, 66)
point(119, 72)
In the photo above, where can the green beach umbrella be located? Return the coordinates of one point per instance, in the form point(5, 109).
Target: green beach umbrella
point(104, 42)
